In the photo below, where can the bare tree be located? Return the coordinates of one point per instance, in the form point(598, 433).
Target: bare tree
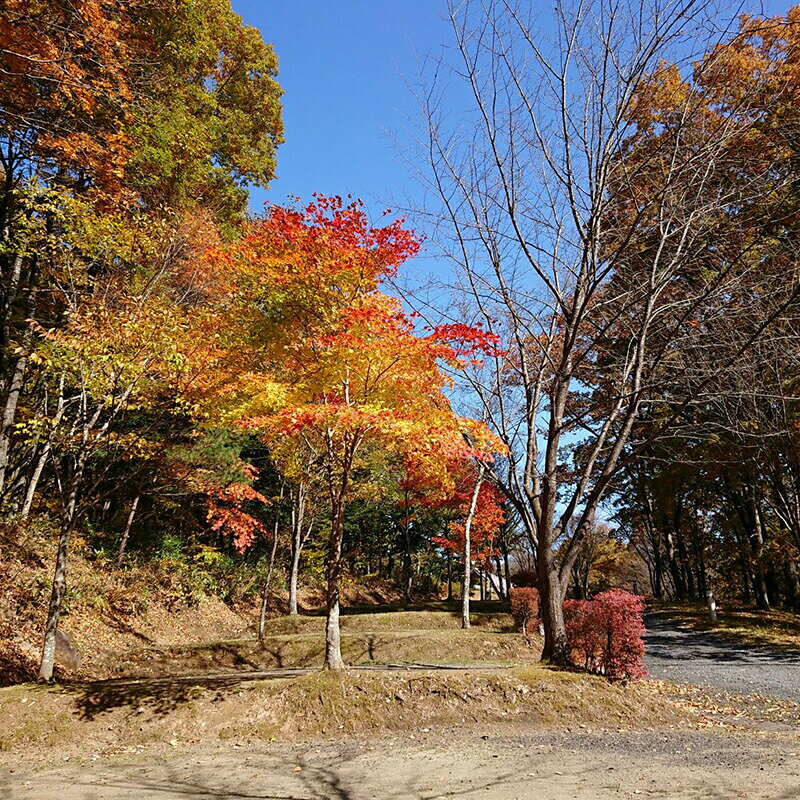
point(574, 243)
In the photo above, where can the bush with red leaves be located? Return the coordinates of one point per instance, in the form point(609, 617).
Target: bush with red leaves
point(525, 610)
point(525, 578)
point(605, 634)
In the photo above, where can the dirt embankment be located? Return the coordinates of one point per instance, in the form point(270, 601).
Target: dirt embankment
point(144, 619)
point(129, 716)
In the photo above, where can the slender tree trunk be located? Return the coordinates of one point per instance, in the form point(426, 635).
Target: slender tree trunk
point(298, 540)
point(793, 584)
point(9, 414)
point(56, 604)
point(746, 595)
point(407, 572)
point(30, 492)
point(501, 592)
point(59, 587)
point(467, 577)
point(407, 566)
point(262, 617)
point(127, 532)
point(333, 646)
point(757, 543)
point(675, 568)
point(449, 575)
point(293, 573)
point(507, 569)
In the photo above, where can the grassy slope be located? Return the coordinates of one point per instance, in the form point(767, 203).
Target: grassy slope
point(421, 635)
point(225, 705)
point(105, 719)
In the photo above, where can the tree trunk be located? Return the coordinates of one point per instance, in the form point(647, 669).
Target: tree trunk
point(126, 533)
point(467, 576)
point(30, 492)
point(9, 415)
point(449, 575)
point(262, 617)
point(507, 569)
point(56, 605)
point(793, 584)
point(59, 587)
point(407, 562)
point(551, 600)
point(757, 544)
point(333, 646)
point(298, 540)
point(293, 572)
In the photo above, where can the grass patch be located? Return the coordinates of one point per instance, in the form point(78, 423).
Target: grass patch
point(423, 635)
point(382, 646)
point(34, 716)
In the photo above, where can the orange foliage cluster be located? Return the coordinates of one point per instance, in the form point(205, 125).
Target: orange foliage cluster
point(305, 347)
point(64, 76)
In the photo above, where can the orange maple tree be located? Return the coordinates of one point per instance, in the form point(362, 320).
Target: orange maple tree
point(321, 354)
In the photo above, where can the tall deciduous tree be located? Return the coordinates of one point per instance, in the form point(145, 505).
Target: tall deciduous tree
point(588, 232)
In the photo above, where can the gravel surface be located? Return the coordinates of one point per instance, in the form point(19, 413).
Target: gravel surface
point(682, 655)
point(425, 766)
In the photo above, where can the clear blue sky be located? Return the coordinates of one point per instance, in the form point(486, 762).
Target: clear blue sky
point(343, 66)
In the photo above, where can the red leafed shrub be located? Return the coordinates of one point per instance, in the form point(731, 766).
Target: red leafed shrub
point(605, 634)
point(525, 609)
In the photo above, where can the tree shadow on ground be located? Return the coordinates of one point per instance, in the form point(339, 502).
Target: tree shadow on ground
point(666, 642)
point(162, 695)
point(292, 777)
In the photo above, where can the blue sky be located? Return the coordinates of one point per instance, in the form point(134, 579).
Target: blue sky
point(343, 67)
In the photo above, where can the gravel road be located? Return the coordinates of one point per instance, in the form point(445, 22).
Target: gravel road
point(686, 656)
point(439, 766)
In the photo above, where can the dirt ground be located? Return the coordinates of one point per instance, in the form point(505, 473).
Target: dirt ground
point(493, 732)
point(447, 764)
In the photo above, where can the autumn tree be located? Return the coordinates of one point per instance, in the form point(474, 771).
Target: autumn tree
point(588, 230)
point(321, 356)
point(128, 135)
point(715, 499)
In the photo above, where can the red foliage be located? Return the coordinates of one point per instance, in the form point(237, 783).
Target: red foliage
point(525, 577)
point(605, 634)
point(467, 340)
point(489, 516)
point(525, 610)
point(225, 513)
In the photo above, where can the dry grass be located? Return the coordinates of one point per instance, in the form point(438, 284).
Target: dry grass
point(421, 636)
point(773, 628)
point(102, 720)
point(225, 704)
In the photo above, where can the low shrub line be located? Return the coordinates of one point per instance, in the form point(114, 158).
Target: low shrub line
point(604, 634)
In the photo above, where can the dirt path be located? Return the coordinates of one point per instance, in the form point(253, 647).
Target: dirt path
point(685, 656)
point(678, 766)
